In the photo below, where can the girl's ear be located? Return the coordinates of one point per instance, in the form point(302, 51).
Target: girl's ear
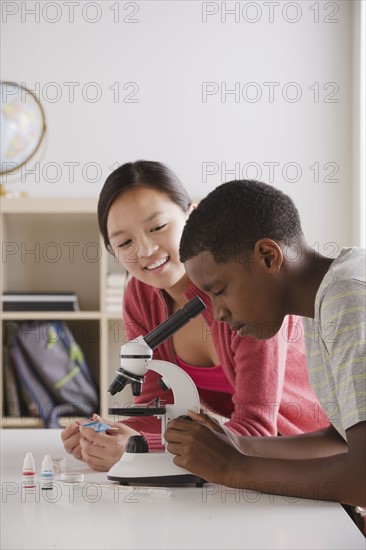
point(192, 207)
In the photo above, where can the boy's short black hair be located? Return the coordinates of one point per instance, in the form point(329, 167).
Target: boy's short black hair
point(233, 217)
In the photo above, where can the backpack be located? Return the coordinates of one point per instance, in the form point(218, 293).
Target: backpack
point(51, 366)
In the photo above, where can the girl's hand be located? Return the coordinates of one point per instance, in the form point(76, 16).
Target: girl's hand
point(71, 439)
point(101, 450)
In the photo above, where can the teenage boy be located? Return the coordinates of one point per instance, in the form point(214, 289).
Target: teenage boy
point(245, 248)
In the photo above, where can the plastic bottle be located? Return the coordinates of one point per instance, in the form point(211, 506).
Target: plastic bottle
point(47, 475)
point(29, 472)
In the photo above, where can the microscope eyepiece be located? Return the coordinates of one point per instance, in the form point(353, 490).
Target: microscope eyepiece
point(194, 307)
point(176, 321)
point(135, 359)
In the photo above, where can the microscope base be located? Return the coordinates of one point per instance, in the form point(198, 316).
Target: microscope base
point(151, 469)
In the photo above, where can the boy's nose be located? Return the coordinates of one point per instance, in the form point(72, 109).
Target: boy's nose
point(220, 313)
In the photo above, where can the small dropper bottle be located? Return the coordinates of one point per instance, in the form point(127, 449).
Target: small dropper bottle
point(29, 472)
point(47, 474)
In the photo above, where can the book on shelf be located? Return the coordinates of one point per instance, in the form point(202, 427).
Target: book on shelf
point(117, 280)
point(115, 287)
point(39, 301)
point(17, 401)
point(114, 294)
point(114, 309)
point(11, 397)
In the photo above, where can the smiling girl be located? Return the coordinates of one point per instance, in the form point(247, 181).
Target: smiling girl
point(254, 384)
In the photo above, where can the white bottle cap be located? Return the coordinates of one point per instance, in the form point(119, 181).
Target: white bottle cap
point(47, 464)
point(28, 462)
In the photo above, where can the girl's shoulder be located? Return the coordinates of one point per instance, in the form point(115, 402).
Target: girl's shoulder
point(138, 295)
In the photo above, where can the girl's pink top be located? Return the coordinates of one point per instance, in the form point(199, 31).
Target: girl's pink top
point(207, 378)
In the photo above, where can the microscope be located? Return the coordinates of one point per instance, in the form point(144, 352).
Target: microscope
point(138, 466)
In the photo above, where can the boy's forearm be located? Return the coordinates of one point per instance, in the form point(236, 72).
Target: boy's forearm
point(341, 477)
point(325, 442)
point(211, 455)
point(327, 478)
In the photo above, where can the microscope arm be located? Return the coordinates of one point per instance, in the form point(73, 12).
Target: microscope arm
point(184, 391)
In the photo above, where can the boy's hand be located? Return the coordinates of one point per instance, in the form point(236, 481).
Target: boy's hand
point(215, 425)
point(204, 452)
point(207, 420)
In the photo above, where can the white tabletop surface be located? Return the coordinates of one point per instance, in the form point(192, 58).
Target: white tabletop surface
point(101, 515)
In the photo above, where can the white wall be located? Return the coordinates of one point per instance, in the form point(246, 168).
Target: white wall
point(305, 49)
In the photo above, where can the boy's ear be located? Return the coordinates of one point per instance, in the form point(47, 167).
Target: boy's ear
point(269, 254)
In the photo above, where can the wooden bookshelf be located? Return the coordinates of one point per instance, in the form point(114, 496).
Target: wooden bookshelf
point(53, 244)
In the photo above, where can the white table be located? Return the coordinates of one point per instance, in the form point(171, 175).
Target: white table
point(102, 515)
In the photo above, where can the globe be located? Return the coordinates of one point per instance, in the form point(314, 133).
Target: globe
point(22, 126)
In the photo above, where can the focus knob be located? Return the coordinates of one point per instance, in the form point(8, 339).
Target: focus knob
point(137, 444)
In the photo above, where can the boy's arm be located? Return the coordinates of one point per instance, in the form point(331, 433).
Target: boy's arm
point(325, 442)
point(213, 457)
